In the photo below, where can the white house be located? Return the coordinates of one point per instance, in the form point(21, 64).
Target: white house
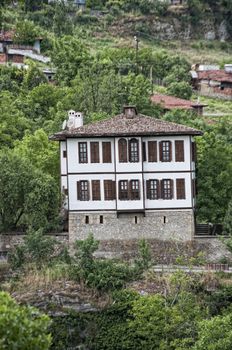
point(130, 176)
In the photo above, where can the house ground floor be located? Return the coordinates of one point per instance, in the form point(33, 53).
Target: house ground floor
point(164, 225)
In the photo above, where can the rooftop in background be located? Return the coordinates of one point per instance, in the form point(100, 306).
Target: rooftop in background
point(7, 35)
point(172, 102)
point(129, 123)
point(216, 75)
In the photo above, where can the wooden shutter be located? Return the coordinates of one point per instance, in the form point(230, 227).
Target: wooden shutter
point(144, 152)
point(88, 194)
point(162, 189)
point(152, 151)
point(122, 150)
point(96, 191)
point(106, 152)
point(171, 186)
point(113, 184)
point(194, 152)
point(148, 188)
point(94, 151)
point(78, 190)
point(179, 151)
point(161, 151)
point(170, 151)
point(180, 188)
point(119, 190)
point(109, 190)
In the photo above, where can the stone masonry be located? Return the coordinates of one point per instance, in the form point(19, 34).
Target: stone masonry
point(161, 225)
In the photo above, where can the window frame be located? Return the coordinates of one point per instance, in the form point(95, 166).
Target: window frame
point(83, 153)
point(83, 190)
point(165, 151)
point(134, 150)
point(153, 190)
point(167, 189)
point(123, 193)
point(134, 190)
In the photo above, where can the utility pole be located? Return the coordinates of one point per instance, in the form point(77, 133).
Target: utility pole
point(136, 52)
point(151, 79)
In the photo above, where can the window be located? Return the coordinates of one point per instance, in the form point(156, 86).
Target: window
point(153, 189)
point(179, 151)
point(180, 188)
point(96, 191)
point(122, 150)
point(101, 219)
point(134, 190)
point(167, 189)
point(83, 154)
point(133, 151)
point(106, 152)
point(152, 151)
point(165, 151)
point(129, 190)
point(64, 154)
point(123, 190)
point(87, 219)
point(94, 151)
point(144, 152)
point(136, 219)
point(109, 190)
point(83, 190)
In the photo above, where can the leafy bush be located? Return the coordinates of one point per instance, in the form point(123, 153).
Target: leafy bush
point(22, 327)
point(37, 249)
point(105, 275)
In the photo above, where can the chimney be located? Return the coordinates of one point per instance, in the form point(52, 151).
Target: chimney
point(75, 120)
point(130, 111)
point(228, 68)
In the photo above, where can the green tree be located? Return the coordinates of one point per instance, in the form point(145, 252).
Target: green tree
point(68, 55)
point(215, 334)
point(22, 327)
point(33, 77)
point(227, 224)
point(42, 153)
point(180, 89)
point(13, 122)
point(61, 21)
point(26, 32)
point(214, 180)
point(28, 197)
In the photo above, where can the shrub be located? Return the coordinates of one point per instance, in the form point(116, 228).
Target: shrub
point(22, 327)
point(37, 249)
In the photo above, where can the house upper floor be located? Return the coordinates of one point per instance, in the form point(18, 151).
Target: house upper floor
point(127, 154)
point(128, 142)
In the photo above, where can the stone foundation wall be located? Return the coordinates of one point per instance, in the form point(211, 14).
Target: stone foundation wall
point(10, 240)
point(161, 225)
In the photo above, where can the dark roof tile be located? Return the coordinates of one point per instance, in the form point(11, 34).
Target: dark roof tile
point(121, 125)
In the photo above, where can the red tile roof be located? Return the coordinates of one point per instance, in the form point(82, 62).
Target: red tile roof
point(122, 125)
point(217, 75)
point(7, 35)
point(172, 102)
point(3, 58)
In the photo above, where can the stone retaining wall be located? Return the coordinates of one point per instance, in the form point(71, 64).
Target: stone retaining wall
point(161, 224)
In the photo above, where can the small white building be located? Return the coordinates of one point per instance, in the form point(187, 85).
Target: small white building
point(128, 177)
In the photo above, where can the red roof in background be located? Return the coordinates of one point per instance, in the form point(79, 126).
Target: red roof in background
point(217, 75)
point(7, 35)
point(171, 102)
point(3, 58)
